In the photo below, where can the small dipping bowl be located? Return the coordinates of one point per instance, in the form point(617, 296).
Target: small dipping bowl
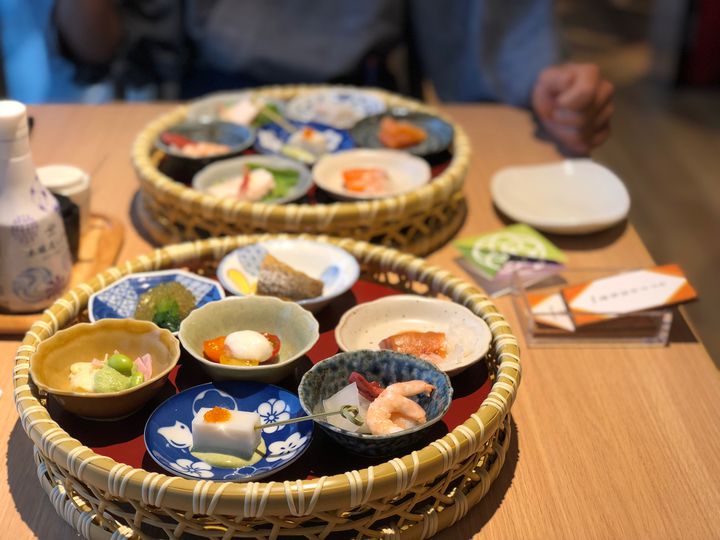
point(384, 367)
point(297, 329)
point(181, 167)
point(50, 365)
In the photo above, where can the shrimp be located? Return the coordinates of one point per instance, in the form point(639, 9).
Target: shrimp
point(394, 411)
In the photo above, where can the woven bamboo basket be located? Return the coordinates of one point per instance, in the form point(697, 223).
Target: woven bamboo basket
point(408, 497)
point(417, 222)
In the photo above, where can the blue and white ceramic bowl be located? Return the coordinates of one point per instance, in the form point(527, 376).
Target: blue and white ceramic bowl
point(339, 108)
point(168, 432)
point(384, 367)
point(336, 268)
point(272, 138)
point(119, 300)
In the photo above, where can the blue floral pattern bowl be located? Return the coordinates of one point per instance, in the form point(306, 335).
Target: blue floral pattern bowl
point(168, 435)
point(384, 367)
point(119, 300)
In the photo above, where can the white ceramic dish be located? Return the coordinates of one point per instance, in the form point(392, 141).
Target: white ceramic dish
point(231, 168)
point(365, 325)
point(295, 326)
point(575, 196)
point(206, 108)
point(335, 267)
point(406, 172)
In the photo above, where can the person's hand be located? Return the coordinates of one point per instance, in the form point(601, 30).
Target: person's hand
point(574, 104)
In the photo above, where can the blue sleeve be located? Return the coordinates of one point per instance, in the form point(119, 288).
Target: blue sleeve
point(491, 50)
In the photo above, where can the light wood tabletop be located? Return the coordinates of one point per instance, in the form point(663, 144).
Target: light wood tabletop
point(607, 443)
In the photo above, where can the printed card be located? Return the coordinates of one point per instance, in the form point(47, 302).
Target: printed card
point(609, 297)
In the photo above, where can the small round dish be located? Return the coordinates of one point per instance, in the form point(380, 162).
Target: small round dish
point(50, 365)
point(210, 107)
point(365, 325)
point(296, 327)
point(405, 172)
point(384, 367)
point(230, 168)
point(168, 431)
point(273, 139)
point(439, 133)
point(182, 167)
point(575, 196)
point(119, 300)
point(336, 268)
point(337, 108)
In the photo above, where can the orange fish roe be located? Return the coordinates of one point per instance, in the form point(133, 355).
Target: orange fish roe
point(217, 415)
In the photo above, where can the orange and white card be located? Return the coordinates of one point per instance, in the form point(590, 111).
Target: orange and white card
point(550, 309)
point(609, 297)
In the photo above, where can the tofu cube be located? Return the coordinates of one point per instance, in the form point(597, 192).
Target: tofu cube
point(226, 432)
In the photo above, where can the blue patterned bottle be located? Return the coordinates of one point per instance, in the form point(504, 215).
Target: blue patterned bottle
point(35, 262)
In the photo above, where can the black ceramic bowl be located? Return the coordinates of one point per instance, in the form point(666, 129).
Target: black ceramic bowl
point(181, 167)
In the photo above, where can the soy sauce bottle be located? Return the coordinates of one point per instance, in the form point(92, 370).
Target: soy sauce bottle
point(35, 263)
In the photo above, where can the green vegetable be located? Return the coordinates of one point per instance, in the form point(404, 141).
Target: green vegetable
point(108, 379)
point(167, 314)
point(261, 119)
point(285, 180)
point(121, 363)
point(136, 378)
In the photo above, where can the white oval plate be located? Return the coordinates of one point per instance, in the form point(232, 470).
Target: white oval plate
point(365, 325)
point(406, 172)
point(575, 196)
point(335, 267)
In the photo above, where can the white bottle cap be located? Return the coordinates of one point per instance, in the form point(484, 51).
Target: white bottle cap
point(13, 120)
point(71, 182)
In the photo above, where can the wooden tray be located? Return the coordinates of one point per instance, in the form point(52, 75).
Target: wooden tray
point(99, 248)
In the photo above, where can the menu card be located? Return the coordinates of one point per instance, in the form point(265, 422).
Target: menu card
point(517, 249)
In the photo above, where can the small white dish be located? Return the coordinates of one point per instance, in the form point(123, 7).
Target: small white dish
point(365, 325)
point(575, 196)
point(233, 168)
point(405, 171)
point(335, 267)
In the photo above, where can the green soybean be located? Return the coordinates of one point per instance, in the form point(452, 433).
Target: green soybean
point(121, 363)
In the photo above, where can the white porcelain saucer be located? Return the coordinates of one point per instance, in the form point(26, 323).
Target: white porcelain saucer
point(575, 196)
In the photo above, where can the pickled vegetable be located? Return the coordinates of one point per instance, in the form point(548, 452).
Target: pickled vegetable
point(166, 305)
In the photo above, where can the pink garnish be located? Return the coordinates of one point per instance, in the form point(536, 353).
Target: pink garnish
point(97, 363)
point(144, 365)
point(245, 181)
point(368, 390)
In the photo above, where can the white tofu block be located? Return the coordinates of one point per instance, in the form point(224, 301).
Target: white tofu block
point(236, 437)
point(347, 395)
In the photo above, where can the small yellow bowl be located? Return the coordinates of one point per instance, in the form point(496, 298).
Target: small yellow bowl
point(50, 365)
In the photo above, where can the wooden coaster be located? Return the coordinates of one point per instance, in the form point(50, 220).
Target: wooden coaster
point(99, 248)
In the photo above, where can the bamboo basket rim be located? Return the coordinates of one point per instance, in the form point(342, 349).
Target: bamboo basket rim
point(278, 498)
point(440, 188)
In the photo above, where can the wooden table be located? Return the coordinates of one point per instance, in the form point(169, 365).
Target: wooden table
point(613, 443)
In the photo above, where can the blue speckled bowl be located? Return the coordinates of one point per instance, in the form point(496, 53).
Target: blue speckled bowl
point(384, 367)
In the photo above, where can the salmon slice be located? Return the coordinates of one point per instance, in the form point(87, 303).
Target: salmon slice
point(431, 346)
point(398, 134)
point(368, 180)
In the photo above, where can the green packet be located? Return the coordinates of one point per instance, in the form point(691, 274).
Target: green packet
point(489, 252)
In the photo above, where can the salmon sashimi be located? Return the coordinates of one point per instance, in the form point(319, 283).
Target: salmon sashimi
point(430, 346)
point(365, 180)
point(398, 134)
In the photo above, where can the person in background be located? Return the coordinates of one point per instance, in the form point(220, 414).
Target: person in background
point(471, 50)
